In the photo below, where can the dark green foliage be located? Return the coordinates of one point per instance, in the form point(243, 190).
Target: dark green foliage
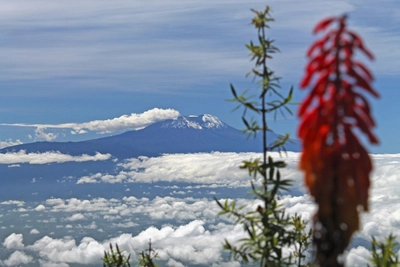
point(384, 253)
point(146, 258)
point(303, 240)
point(115, 258)
point(269, 230)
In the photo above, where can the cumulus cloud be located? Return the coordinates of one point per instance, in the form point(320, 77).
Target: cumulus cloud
point(34, 232)
point(125, 225)
point(133, 121)
point(41, 135)
point(18, 258)
point(172, 262)
point(14, 241)
point(48, 157)
point(40, 208)
point(76, 205)
point(65, 250)
point(76, 217)
point(359, 256)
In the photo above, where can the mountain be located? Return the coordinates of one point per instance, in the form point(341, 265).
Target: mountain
point(186, 134)
point(191, 134)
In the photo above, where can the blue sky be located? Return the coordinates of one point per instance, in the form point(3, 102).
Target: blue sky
point(89, 61)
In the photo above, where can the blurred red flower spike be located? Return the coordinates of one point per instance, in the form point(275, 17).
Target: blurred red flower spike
point(306, 80)
point(318, 44)
point(358, 42)
point(364, 70)
point(323, 24)
point(366, 52)
point(336, 165)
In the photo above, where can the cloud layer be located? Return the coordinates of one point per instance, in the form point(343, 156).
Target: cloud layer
point(203, 168)
point(184, 230)
point(47, 157)
point(9, 142)
point(197, 239)
point(123, 123)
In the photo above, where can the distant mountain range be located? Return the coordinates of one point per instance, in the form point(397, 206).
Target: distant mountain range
point(190, 134)
point(186, 134)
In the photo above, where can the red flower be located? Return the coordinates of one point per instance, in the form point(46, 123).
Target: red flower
point(335, 163)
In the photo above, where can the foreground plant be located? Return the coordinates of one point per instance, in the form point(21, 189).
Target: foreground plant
point(384, 253)
point(273, 237)
point(147, 257)
point(335, 163)
point(117, 258)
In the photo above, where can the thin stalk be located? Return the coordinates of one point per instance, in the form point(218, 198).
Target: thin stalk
point(264, 129)
point(299, 256)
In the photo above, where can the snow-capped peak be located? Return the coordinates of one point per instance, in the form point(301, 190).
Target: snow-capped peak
point(200, 122)
point(211, 121)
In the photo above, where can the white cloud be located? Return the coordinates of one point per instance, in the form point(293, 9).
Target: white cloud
point(76, 217)
point(14, 241)
point(44, 263)
point(226, 264)
point(159, 208)
point(40, 208)
point(125, 225)
point(65, 250)
point(41, 135)
point(34, 232)
point(47, 157)
point(18, 258)
point(359, 256)
point(14, 166)
point(172, 262)
point(19, 203)
point(54, 201)
point(133, 121)
point(9, 142)
point(77, 205)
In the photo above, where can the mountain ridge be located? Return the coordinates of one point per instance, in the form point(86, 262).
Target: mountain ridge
point(186, 134)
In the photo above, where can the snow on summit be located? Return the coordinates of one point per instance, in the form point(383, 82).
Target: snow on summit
point(211, 121)
point(200, 122)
